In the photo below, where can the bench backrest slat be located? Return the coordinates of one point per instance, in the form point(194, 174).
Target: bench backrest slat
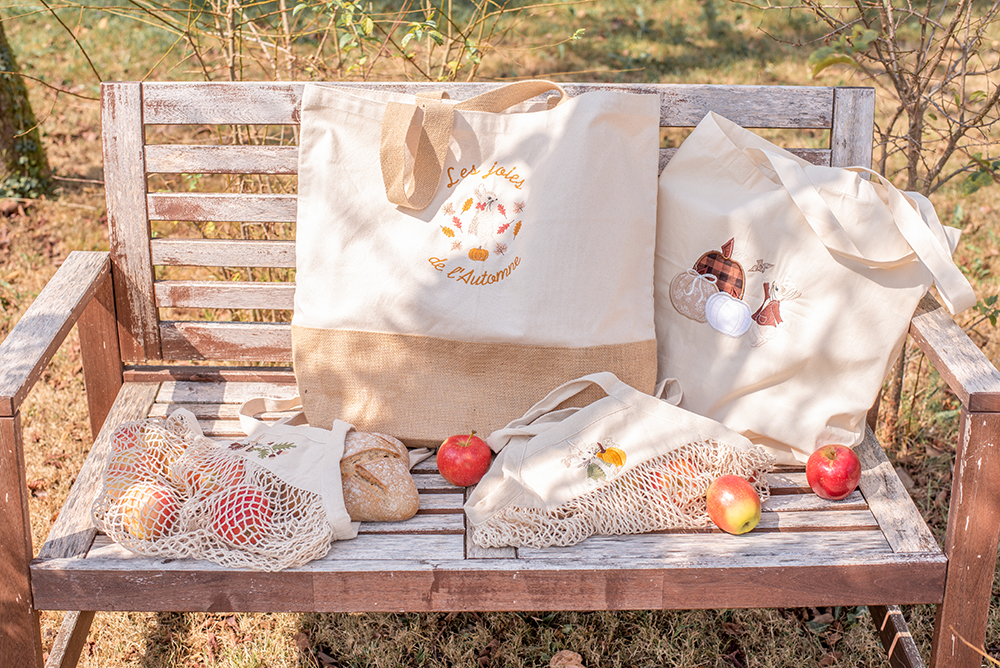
point(258, 278)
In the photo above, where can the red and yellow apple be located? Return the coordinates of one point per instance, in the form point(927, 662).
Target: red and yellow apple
point(833, 471)
point(241, 515)
point(207, 475)
point(463, 460)
point(733, 504)
point(149, 510)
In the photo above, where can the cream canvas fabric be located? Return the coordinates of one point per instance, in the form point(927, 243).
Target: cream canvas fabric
point(530, 265)
point(626, 463)
point(784, 290)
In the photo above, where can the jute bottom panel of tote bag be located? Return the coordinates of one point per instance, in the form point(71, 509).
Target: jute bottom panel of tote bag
point(626, 463)
point(531, 265)
point(784, 290)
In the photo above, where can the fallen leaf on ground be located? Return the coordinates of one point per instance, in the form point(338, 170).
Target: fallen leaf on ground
point(566, 659)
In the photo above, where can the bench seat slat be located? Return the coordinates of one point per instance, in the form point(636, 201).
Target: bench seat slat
point(275, 103)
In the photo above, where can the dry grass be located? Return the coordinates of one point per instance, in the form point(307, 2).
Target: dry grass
point(683, 41)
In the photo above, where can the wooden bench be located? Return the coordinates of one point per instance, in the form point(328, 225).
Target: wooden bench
point(871, 549)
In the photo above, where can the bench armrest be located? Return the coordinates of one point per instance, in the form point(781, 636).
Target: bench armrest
point(962, 365)
point(29, 347)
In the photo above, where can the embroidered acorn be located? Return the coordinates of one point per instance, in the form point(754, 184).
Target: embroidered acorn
point(478, 254)
point(728, 315)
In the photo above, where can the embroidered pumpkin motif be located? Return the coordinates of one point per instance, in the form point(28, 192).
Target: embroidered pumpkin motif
point(729, 272)
point(728, 315)
point(478, 254)
point(689, 292)
point(612, 455)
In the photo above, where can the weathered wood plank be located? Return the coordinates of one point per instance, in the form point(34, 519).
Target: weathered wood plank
point(429, 523)
point(224, 253)
point(128, 223)
point(70, 640)
point(187, 159)
point(113, 579)
point(72, 532)
point(28, 349)
point(194, 392)
point(853, 127)
point(20, 639)
point(232, 341)
point(251, 208)
point(827, 520)
point(225, 295)
point(100, 352)
point(890, 503)
point(968, 372)
point(271, 375)
point(971, 542)
point(682, 105)
point(781, 503)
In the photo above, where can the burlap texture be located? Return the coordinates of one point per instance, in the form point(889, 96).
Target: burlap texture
point(423, 389)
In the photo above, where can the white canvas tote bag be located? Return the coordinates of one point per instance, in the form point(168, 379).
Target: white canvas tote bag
point(626, 463)
point(516, 253)
point(784, 290)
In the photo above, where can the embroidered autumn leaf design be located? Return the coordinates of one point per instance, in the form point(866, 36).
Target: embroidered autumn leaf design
point(501, 249)
point(503, 228)
point(456, 245)
point(448, 209)
point(518, 207)
point(456, 222)
point(503, 212)
point(448, 232)
point(467, 205)
point(517, 228)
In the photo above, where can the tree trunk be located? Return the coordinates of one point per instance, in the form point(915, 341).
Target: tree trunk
point(24, 169)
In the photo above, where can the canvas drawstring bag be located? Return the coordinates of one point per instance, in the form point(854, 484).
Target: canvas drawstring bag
point(451, 255)
point(626, 463)
point(270, 501)
point(784, 290)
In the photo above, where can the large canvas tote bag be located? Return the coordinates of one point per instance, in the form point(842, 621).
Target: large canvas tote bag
point(626, 463)
point(455, 260)
point(784, 290)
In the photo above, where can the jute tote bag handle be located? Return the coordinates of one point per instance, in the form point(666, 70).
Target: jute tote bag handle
point(954, 289)
point(416, 190)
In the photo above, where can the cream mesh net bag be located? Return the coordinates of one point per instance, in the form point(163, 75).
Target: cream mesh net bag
point(627, 463)
point(267, 502)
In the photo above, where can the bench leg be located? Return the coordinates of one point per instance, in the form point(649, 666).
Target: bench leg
point(971, 543)
point(70, 641)
point(102, 359)
point(900, 649)
point(20, 633)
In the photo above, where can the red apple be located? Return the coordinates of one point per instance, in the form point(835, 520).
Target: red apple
point(149, 510)
point(241, 515)
point(833, 471)
point(733, 504)
point(463, 460)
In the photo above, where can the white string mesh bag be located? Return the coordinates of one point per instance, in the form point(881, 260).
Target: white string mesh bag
point(628, 463)
point(268, 502)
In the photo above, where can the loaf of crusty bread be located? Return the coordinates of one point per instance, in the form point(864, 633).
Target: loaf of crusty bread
point(375, 471)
